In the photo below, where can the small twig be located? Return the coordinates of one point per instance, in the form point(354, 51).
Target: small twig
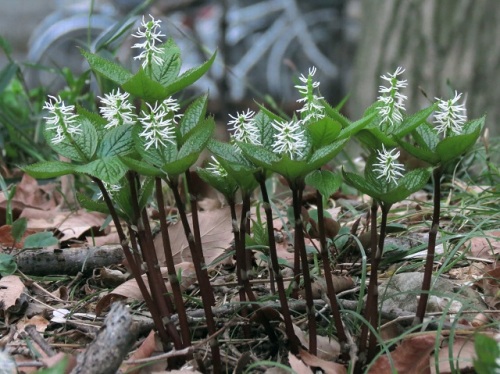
point(39, 340)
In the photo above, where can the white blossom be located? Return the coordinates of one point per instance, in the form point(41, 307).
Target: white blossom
point(159, 123)
point(244, 128)
point(111, 189)
point(61, 118)
point(392, 100)
point(216, 168)
point(312, 109)
point(387, 166)
point(117, 109)
point(289, 139)
point(150, 31)
point(450, 116)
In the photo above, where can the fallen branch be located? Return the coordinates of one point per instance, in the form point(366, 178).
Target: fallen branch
point(113, 342)
point(68, 261)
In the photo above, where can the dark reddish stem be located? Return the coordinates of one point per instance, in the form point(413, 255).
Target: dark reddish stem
point(172, 275)
point(301, 248)
point(285, 311)
point(330, 288)
point(431, 249)
point(199, 264)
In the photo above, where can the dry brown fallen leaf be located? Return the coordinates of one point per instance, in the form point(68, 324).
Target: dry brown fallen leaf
point(463, 355)
point(482, 247)
point(131, 290)
point(298, 366)
point(11, 289)
point(7, 241)
point(328, 367)
point(410, 357)
point(148, 347)
point(490, 284)
point(72, 225)
point(38, 321)
point(216, 236)
point(328, 349)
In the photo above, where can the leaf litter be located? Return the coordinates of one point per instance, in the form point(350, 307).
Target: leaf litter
point(91, 295)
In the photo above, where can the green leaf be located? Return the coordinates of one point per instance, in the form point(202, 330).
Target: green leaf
point(324, 181)
point(193, 115)
point(454, 146)
point(141, 167)
point(266, 130)
point(334, 114)
point(8, 265)
point(49, 169)
point(19, 228)
point(426, 136)
point(141, 85)
point(107, 68)
point(423, 154)
point(361, 184)
point(325, 154)
point(487, 354)
point(355, 127)
point(117, 142)
point(373, 138)
point(198, 139)
point(189, 77)
point(225, 185)
point(411, 182)
point(40, 240)
point(83, 146)
point(324, 132)
point(57, 368)
point(242, 174)
point(412, 122)
point(260, 156)
point(7, 74)
point(171, 66)
point(227, 152)
point(95, 119)
point(91, 205)
point(108, 169)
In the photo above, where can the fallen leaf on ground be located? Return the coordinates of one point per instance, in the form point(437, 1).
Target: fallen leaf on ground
point(298, 366)
point(11, 289)
point(39, 322)
point(328, 348)
point(148, 347)
point(463, 354)
point(410, 357)
point(131, 290)
point(216, 236)
point(328, 367)
point(490, 284)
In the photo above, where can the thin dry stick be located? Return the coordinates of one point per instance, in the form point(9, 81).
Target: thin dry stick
point(285, 310)
point(172, 275)
point(431, 248)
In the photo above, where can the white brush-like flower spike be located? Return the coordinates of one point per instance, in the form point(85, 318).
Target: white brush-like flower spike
point(151, 33)
point(117, 109)
point(450, 116)
point(111, 189)
point(159, 124)
point(312, 109)
point(244, 128)
point(392, 100)
point(387, 166)
point(216, 168)
point(289, 139)
point(61, 118)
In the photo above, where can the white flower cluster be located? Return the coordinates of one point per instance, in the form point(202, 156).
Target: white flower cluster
point(387, 166)
point(392, 100)
point(61, 118)
point(312, 110)
point(117, 109)
point(159, 123)
point(289, 139)
point(150, 31)
point(216, 168)
point(450, 116)
point(244, 128)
